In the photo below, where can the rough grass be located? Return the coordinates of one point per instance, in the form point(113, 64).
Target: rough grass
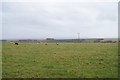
point(0, 60)
point(66, 60)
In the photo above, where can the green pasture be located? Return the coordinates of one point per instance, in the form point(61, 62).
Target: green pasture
point(66, 60)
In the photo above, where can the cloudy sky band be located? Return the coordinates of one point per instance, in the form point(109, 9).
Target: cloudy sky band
point(59, 19)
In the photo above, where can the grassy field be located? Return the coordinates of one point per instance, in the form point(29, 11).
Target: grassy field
point(66, 60)
point(0, 60)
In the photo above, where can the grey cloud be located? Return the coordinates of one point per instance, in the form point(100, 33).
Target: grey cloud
point(61, 20)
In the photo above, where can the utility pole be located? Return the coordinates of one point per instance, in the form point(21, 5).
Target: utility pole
point(78, 37)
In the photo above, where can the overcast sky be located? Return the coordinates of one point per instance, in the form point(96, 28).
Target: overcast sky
point(62, 19)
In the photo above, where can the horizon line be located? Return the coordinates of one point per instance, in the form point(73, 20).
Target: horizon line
point(56, 38)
